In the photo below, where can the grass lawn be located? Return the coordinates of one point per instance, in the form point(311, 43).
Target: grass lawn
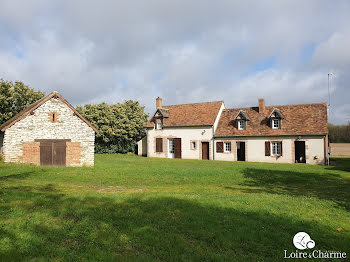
point(146, 209)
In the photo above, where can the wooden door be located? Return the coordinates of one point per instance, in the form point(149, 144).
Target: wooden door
point(59, 153)
point(46, 153)
point(240, 151)
point(53, 153)
point(177, 147)
point(205, 150)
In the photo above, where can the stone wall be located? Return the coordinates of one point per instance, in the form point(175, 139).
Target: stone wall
point(1, 141)
point(39, 126)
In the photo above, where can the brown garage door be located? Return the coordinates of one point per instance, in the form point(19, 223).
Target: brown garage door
point(52, 152)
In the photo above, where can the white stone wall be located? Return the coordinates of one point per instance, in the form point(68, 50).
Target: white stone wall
point(1, 141)
point(142, 147)
point(38, 126)
point(187, 135)
point(255, 149)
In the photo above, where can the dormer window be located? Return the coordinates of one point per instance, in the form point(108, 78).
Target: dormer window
point(276, 119)
point(159, 125)
point(241, 120)
point(276, 123)
point(241, 124)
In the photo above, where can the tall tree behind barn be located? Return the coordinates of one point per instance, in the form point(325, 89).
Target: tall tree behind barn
point(14, 97)
point(120, 125)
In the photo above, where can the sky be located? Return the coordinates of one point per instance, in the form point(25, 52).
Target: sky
point(183, 51)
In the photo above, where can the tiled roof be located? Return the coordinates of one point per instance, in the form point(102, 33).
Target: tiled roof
point(304, 119)
point(195, 114)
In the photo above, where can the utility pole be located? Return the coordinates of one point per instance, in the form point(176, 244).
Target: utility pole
point(329, 108)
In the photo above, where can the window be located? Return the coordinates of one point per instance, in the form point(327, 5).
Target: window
point(241, 124)
point(276, 148)
point(159, 126)
point(53, 117)
point(193, 145)
point(227, 146)
point(276, 123)
point(171, 146)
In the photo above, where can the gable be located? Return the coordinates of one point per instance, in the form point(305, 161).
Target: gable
point(33, 107)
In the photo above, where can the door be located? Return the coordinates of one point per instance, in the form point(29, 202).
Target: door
point(46, 153)
point(59, 153)
point(53, 153)
point(171, 148)
point(205, 150)
point(240, 151)
point(177, 147)
point(300, 156)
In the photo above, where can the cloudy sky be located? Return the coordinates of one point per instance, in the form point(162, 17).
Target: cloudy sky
point(184, 51)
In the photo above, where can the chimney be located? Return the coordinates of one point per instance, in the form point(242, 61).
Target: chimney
point(159, 102)
point(261, 105)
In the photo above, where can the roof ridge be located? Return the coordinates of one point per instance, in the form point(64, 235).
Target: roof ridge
point(196, 103)
point(275, 106)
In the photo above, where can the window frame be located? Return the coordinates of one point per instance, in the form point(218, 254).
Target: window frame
point(241, 121)
point(193, 145)
point(225, 148)
point(277, 120)
point(278, 148)
point(159, 126)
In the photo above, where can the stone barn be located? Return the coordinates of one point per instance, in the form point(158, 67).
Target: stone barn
point(49, 132)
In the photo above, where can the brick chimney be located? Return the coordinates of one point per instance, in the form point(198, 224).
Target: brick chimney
point(159, 102)
point(261, 105)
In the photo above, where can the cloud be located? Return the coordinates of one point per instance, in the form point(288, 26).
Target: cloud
point(184, 51)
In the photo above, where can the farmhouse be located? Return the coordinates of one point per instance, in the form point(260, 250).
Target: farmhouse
point(49, 132)
point(277, 134)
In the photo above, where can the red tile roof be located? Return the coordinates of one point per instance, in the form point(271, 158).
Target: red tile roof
point(196, 114)
point(304, 119)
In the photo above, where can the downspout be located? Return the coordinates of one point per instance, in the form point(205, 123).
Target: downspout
point(213, 143)
point(325, 150)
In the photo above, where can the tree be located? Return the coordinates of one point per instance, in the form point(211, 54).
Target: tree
point(120, 125)
point(339, 133)
point(14, 97)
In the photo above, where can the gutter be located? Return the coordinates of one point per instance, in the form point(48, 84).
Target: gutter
point(325, 150)
point(269, 135)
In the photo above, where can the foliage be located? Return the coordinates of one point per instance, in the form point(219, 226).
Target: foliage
point(120, 125)
point(14, 97)
point(339, 133)
point(130, 208)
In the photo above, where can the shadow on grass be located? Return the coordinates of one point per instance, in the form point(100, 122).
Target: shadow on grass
point(342, 164)
point(16, 176)
point(321, 185)
point(47, 225)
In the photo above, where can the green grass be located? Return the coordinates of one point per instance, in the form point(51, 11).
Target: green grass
point(144, 209)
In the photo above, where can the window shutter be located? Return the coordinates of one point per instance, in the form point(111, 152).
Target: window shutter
point(281, 148)
point(219, 147)
point(159, 145)
point(267, 148)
